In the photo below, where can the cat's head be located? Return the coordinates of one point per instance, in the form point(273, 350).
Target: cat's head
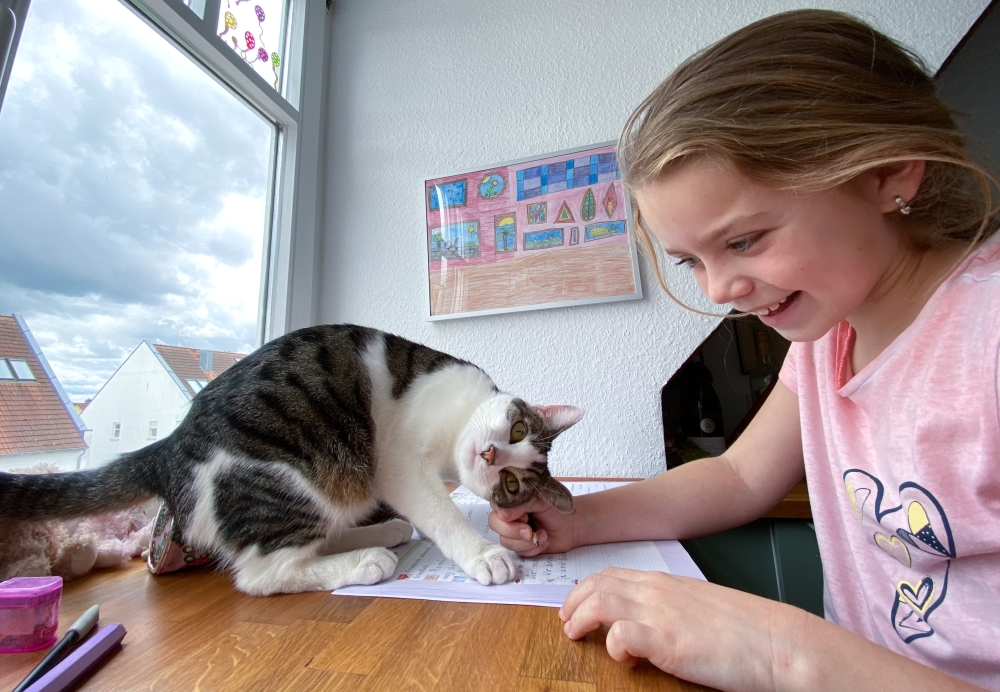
point(502, 453)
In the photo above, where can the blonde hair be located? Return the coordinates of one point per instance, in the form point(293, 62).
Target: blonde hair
point(805, 101)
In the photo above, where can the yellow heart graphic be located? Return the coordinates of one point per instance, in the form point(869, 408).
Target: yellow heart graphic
point(912, 592)
point(854, 501)
point(893, 546)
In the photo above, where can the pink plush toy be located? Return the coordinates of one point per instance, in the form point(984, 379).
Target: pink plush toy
point(69, 549)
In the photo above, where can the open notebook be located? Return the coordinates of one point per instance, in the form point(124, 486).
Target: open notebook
point(424, 572)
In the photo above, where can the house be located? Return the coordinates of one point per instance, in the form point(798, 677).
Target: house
point(146, 398)
point(38, 424)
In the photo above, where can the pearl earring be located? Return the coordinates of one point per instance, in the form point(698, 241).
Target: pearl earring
point(904, 208)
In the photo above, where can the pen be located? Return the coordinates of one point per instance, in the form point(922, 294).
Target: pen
point(77, 631)
point(534, 530)
point(68, 673)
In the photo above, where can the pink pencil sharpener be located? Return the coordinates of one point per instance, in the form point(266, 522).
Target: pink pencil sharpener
point(29, 613)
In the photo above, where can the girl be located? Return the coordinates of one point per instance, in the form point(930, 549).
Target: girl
point(805, 171)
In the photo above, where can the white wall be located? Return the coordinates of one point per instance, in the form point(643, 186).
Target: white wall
point(140, 391)
point(425, 88)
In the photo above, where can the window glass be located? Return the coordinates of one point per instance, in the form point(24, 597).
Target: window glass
point(197, 6)
point(116, 430)
point(152, 429)
point(5, 372)
point(21, 369)
point(256, 32)
point(134, 198)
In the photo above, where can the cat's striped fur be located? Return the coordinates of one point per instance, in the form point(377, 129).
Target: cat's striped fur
point(320, 431)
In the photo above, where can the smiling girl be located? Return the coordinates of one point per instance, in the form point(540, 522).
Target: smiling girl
point(804, 170)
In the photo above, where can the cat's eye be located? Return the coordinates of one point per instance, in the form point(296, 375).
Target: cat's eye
point(518, 431)
point(510, 483)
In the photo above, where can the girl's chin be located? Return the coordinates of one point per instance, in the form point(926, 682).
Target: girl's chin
point(805, 332)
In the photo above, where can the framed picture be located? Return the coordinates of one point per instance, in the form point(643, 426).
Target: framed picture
point(544, 232)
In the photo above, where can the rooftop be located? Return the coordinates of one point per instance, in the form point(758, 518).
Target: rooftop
point(186, 363)
point(33, 416)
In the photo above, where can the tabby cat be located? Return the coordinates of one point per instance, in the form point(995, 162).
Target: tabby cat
point(316, 433)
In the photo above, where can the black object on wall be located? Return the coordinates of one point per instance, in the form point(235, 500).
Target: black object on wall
point(969, 82)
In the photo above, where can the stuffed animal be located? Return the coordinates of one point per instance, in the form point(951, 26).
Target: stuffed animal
point(70, 549)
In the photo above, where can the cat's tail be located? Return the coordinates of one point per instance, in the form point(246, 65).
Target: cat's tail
point(128, 480)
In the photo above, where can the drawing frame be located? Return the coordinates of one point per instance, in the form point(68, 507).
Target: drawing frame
point(522, 235)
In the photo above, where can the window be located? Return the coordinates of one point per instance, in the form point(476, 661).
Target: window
point(256, 33)
point(21, 369)
point(15, 369)
point(116, 431)
point(131, 192)
point(289, 94)
point(197, 385)
point(152, 430)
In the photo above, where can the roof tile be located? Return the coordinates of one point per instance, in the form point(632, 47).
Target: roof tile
point(186, 363)
point(32, 417)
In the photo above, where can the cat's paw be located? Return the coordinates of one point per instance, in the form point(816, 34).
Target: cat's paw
point(373, 565)
point(397, 531)
point(494, 565)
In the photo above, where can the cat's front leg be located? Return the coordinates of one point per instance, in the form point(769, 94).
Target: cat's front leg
point(428, 505)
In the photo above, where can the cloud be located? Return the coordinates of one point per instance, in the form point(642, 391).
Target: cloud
point(133, 192)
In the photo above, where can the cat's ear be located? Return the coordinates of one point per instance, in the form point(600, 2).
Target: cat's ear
point(557, 495)
point(558, 418)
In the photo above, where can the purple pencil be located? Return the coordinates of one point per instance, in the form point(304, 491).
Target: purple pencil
point(84, 657)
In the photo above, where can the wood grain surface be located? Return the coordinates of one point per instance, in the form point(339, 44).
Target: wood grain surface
point(794, 506)
point(192, 630)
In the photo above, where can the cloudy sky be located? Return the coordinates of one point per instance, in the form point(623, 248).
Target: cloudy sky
point(132, 190)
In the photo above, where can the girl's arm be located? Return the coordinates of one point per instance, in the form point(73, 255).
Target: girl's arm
point(730, 640)
point(698, 498)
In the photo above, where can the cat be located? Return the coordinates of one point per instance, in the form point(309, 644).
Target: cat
point(301, 448)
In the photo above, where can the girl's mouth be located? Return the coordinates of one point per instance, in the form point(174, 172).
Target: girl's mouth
point(777, 308)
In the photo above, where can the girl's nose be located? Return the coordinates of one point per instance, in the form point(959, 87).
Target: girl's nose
point(722, 287)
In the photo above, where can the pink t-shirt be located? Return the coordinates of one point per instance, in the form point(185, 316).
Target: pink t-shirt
point(903, 465)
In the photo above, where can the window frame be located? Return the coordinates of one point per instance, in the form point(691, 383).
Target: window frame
point(116, 431)
point(289, 269)
point(20, 10)
point(12, 363)
point(153, 430)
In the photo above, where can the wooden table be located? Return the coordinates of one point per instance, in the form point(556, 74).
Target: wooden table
point(192, 630)
point(794, 506)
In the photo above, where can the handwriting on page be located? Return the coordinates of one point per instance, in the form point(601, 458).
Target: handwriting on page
point(423, 561)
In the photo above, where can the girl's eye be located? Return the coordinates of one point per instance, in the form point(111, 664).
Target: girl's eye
point(510, 482)
point(686, 262)
point(518, 431)
point(746, 242)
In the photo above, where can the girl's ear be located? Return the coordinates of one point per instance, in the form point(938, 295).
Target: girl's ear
point(901, 179)
point(558, 418)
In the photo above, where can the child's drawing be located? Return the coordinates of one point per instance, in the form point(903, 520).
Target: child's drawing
point(455, 241)
point(588, 209)
point(543, 239)
point(610, 201)
point(505, 226)
point(536, 212)
point(599, 231)
point(492, 185)
point(450, 194)
point(564, 215)
point(493, 245)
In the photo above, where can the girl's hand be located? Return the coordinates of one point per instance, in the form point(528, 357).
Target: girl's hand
point(554, 531)
point(695, 630)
